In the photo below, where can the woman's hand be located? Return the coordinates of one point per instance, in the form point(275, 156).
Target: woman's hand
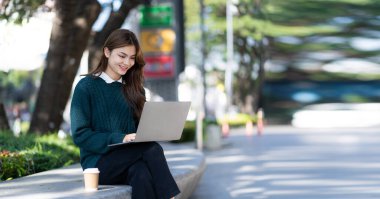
point(129, 137)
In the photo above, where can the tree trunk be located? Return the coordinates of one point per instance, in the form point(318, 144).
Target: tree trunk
point(259, 82)
point(249, 90)
point(4, 125)
point(252, 54)
point(244, 94)
point(69, 37)
point(114, 22)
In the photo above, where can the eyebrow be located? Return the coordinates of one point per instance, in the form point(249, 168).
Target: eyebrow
point(127, 55)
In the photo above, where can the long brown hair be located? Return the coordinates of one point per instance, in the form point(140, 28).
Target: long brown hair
point(133, 80)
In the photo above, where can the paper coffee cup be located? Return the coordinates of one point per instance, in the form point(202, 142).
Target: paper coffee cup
point(91, 179)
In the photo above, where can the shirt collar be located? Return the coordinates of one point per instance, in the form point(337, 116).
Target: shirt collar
point(108, 79)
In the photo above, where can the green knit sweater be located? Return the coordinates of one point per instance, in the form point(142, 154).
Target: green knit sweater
point(100, 115)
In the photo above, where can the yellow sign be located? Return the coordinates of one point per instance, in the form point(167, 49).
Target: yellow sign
point(157, 40)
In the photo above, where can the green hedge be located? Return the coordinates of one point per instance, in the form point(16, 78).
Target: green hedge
point(235, 120)
point(28, 154)
point(188, 133)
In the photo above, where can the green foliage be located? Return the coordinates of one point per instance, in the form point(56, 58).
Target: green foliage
point(28, 154)
point(188, 133)
point(13, 165)
point(238, 119)
point(19, 86)
point(354, 99)
point(15, 78)
point(319, 29)
point(18, 11)
point(235, 120)
point(3, 78)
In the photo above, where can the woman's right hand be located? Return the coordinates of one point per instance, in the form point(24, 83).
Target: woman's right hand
point(129, 137)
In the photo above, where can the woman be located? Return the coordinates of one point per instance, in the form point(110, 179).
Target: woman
point(105, 109)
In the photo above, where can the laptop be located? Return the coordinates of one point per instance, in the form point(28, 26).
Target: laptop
point(161, 121)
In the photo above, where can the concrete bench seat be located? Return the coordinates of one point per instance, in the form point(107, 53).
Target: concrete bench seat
point(186, 164)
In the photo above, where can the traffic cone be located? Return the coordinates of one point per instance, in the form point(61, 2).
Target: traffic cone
point(249, 128)
point(225, 129)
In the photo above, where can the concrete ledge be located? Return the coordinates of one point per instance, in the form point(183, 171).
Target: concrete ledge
point(186, 164)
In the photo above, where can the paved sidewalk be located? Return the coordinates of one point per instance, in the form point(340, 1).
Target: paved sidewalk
point(289, 163)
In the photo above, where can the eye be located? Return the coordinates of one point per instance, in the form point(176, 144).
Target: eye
point(122, 56)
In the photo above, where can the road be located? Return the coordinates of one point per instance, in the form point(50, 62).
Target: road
point(290, 163)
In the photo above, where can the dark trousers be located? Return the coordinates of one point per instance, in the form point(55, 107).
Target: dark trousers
point(141, 165)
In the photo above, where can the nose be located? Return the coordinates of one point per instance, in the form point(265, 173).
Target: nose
point(127, 61)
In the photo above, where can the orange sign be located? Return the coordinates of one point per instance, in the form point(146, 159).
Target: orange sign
point(157, 40)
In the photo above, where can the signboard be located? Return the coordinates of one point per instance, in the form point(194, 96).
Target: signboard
point(159, 67)
point(156, 16)
point(157, 40)
point(162, 41)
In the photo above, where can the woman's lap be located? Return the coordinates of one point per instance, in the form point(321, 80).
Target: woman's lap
point(114, 165)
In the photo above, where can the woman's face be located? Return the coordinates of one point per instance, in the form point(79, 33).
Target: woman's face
point(120, 60)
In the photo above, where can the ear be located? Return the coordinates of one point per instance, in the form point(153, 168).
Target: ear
point(107, 52)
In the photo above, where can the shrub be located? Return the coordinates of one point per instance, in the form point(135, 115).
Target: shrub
point(13, 164)
point(28, 154)
point(234, 120)
point(188, 133)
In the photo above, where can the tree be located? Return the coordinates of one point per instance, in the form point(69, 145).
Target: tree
point(4, 125)
point(114, 22)
point(3, 117)
point(16, 11)
point(298, 30)
point(70, 33)
point(251, 55)
point(69, 37)
point(8, 10)
point(288, 32)
point(248, 47)
point(307, 38)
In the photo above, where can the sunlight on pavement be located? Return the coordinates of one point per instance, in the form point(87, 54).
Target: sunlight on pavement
point(295, 163)
point(246, 168)
point(238, 192)
point(323, 182)
point(179, 159)
point(340, 139)
point(228, 159)
point(280, 176)
point(287, 192)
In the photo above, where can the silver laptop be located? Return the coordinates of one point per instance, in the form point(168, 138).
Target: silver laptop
point(161, 121)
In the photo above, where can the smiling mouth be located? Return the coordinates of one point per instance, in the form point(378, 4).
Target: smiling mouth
point(124, 68)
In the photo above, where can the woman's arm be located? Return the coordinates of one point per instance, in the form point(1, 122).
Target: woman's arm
point(81, 126)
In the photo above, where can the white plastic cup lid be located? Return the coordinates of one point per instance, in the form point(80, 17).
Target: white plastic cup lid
point(91, 170)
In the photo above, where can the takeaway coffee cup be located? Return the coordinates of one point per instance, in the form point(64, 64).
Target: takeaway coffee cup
point(91, 179)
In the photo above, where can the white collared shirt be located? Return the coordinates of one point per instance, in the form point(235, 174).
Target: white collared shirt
point(108, 79)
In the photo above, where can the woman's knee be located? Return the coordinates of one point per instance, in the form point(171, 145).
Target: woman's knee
point(139, 172)
point(155, 148)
